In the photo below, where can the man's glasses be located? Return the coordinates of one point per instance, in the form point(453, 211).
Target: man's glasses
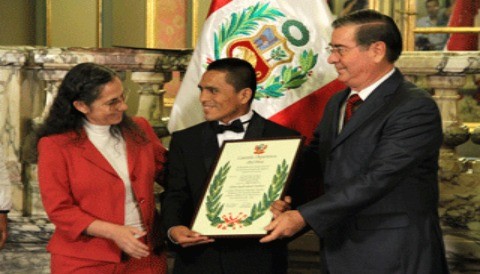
point(340, 50)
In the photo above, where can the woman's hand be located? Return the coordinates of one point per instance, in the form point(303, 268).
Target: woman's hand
point(125, 237)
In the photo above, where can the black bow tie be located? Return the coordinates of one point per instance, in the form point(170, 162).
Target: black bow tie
point(235, 126)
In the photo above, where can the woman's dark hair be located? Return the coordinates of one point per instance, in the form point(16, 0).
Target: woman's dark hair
point(84, 82)
point(240, 73)
point(373, 27)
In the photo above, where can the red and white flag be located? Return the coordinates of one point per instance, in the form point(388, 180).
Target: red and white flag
point(463, 15)
point(285, 41)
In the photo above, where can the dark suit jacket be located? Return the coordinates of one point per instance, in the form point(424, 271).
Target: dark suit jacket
point(192, 153)
point(379, 210)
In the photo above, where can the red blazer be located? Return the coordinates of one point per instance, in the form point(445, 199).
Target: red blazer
point(78, 186)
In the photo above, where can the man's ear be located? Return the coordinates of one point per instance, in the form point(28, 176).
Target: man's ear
point(246, 94)
point(81, 106)
point(379, 50)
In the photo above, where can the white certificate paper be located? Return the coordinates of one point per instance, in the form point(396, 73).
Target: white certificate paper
point(248, 177)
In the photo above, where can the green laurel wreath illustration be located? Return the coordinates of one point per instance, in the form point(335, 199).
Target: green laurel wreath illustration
point(243, 23)
point(290, 77)
point(215, 207)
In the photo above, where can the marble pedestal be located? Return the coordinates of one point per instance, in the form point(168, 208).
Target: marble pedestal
point(459, 211)
point(25, 251)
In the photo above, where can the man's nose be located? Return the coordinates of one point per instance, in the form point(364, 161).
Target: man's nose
point(203, 95)
point(332, 58)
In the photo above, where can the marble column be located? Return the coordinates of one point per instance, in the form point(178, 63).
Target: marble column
point(446, 95)
point(10, 131)
point(52, 80)
point(25, 248)
point(11, 78)
point(459, 186)
point(151, 92)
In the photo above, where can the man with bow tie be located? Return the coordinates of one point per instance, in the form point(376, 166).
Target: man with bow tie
point(227, 90)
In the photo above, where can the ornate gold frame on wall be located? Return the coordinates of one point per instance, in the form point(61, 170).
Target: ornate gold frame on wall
point(48, 7)
point(195, 25)
point(150, 24)
point(99, 23)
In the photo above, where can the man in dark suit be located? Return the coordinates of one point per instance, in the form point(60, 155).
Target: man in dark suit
point(379, 168)
point(227, 89)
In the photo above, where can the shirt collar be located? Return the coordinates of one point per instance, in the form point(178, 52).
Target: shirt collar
point(96, 129)
point(244, 118)
point(364, 93)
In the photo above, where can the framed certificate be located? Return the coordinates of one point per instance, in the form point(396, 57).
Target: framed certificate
point(248, 177)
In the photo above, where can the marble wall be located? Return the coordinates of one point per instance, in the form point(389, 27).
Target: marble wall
point(448, 75)
point(29, 78)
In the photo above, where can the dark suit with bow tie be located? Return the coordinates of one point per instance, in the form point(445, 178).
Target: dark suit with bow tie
point(192, 153)
point(379, 210)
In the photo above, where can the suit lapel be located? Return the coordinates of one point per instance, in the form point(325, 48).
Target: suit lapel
point(209, 145)
point(91, 153)
point(255, 127)
point(376, 101)
point(336, 113)
point(133, 150)
point(209, 141)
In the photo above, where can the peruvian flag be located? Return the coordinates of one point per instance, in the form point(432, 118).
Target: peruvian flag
point(285, 41)
point(463, 15)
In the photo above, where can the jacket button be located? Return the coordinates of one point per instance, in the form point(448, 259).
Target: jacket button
point(141, 201)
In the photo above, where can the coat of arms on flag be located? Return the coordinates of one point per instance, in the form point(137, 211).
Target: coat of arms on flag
point(284, 41)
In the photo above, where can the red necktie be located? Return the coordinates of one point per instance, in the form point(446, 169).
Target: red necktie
point(352, 103)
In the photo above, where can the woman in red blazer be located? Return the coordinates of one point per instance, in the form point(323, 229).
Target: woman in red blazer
point(96, 170)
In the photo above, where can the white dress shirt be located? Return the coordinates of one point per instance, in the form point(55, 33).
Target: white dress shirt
point(230, 135)
point(364, 93)
point(114, 151)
